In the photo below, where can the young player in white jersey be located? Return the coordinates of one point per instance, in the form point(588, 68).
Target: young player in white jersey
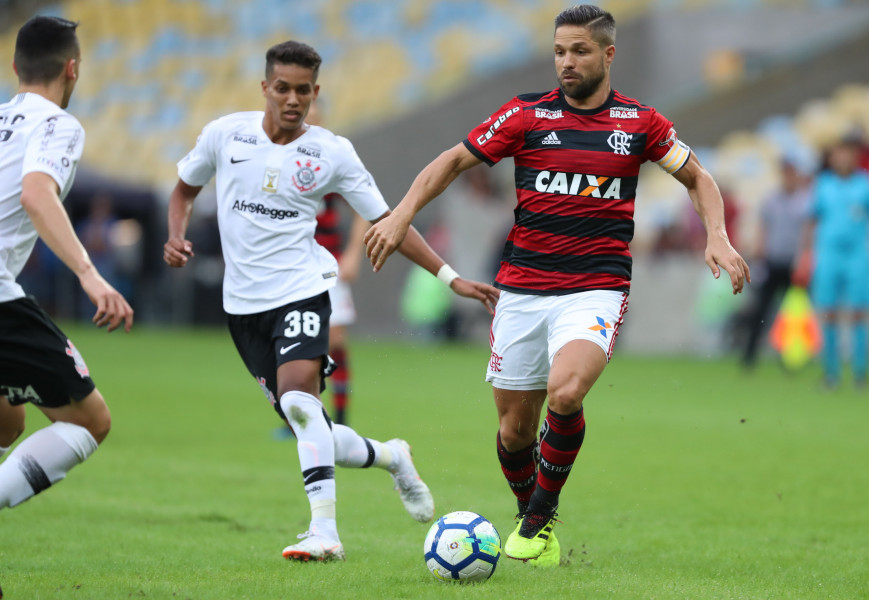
point(40, 146)
point(271, 171)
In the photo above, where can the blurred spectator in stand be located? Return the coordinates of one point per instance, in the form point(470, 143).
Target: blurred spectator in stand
point(478, 218)
point(782, 215)
point(839, 229)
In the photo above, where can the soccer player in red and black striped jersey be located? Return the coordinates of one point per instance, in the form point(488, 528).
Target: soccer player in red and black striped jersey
point(566, 268)
point(329, 235)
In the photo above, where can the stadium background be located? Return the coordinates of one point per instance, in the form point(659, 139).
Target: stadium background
point(745, 81)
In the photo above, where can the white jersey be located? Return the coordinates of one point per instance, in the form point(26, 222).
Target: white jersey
point(267, 200)
point(36, 135)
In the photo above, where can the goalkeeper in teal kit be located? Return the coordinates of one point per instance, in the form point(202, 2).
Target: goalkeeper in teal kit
point(839, 215)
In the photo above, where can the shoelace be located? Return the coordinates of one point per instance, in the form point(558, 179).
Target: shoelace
point(307, 534)
point(536, 522)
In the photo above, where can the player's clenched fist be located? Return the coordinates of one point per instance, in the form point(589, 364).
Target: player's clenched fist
point(176, 252)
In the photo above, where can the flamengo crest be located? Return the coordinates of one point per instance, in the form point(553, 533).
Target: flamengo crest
point(620, 142)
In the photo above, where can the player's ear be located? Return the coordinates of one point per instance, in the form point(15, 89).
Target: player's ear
point(609, 54)
point(316, 90)
point(265, 86)
point(71, 69)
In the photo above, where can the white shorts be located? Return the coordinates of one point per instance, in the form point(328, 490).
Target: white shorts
point(343, 310)
point(528, 330)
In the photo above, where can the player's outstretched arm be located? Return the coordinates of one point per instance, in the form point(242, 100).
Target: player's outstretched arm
point(351, 257)
point(177, 250)
point(387, 234)
point(706, 197)
point(417, 250)
point(39, 197)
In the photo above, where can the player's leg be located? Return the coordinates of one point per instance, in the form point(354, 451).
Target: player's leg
point(40, 365)
point(583, 328)
point(298, 389)
point(777, 278)
point(355, 451)
point(826, 294)
point(518, 370)
point(340, 378)
point(575, 368)
point(343, 314)
point(518, 423)
point(283, 349)
point(858, 303)
point(47, 455)
point(11, 424)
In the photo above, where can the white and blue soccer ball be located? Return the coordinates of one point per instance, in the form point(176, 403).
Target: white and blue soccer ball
point(462, 546)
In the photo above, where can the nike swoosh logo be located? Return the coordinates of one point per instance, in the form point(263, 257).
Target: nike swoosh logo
point(286, 349)
point(233, 160)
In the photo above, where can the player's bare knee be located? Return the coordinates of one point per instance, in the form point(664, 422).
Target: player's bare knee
point(11, 422)
point(516, 436)
point(566, 398)
point(8, 434)
point(100, 426)
point(94, 416)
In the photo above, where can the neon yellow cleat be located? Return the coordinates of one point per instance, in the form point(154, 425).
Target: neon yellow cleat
point(523, 548)
point(551, 557)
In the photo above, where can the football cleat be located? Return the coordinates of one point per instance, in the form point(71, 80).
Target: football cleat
point(414, 492)
point(551, 556)
point(531, 536)
point(314, 547)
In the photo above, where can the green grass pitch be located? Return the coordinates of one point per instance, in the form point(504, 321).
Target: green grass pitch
point(695, 481)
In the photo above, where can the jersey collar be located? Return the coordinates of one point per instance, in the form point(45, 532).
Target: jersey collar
point(586, 111)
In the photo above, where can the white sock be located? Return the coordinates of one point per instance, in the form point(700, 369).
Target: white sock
point(316, 448)
point(43, 459)
point(325, 527)
point(353, 450)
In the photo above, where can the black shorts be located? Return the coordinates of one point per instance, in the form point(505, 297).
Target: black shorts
point(38, 363)
point(295, 331)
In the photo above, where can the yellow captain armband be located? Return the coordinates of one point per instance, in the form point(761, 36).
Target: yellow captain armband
point(676, 158)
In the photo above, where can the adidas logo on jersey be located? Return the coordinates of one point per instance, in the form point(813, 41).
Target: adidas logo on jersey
point(551, 140)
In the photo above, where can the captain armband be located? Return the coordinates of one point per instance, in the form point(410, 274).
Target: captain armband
point(676, 158)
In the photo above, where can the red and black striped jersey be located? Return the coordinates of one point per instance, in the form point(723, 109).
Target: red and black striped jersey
point(328, 232)
point(576, 180)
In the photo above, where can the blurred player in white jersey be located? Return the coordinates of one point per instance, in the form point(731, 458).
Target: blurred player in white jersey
point(40, 146)
point(272, 169)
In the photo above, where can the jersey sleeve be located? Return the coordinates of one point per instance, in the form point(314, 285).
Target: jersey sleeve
point(499, 136)
point(663, 146)
point(199, 165)
point(356, 184)
point(54, 148)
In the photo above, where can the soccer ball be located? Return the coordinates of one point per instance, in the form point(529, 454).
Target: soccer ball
point(462, 546)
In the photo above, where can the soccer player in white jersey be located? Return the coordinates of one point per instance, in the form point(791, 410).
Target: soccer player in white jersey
point(272, 169)
point(40, 146)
